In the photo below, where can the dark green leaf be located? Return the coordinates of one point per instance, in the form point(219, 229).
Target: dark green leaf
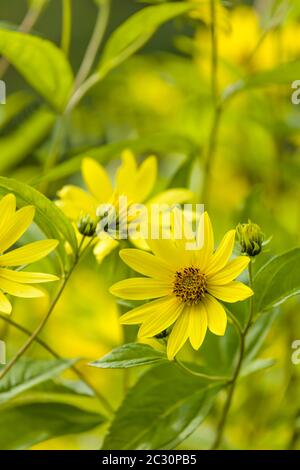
point(130, 355)
point(24, 426)
point(161, 410)
point(28, 373)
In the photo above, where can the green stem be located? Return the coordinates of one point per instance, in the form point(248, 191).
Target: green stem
point(51, 351)
point(66, 26)
point(94, 44)
point(45, 319)
point(242, 336)
point(212, 378)
point(213, 136)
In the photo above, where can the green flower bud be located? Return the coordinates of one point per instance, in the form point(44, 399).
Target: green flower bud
point(87, 225)
point(250, 237)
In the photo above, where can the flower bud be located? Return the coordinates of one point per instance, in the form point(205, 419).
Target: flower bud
point(250, 237)
point(87, 225)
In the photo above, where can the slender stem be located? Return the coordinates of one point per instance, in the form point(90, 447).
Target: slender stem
point(82, 90)
point(51, 351)
point(212, 378)
point(213, 136)
point(66, 26)
point(45, 319)
point(94, 44)
point(26, 26)
point(242, 336)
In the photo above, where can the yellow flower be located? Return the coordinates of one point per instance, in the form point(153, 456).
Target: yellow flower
point(188, 286)
point(134, 182)
point(13, 224)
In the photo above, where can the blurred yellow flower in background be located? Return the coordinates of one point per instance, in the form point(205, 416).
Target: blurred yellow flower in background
point(134, 182)
point(187, 283)
point(13, 225)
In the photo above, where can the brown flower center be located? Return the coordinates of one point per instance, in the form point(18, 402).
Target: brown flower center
point(190, 285)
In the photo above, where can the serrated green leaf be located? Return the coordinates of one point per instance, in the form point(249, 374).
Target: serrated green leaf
point(130, 355)
point(136, 31)
point(24, 426)
point(48, 216)
point(277, 281)
point(28, 373)
point(41, 63)
point(161, 410)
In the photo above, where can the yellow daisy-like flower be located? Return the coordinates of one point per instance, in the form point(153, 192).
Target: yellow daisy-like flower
point(13, 224)
point(188, 286)
point(134, 182)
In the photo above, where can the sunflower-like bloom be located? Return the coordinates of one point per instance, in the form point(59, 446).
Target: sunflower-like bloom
point(134, 182)
point(188, 286)
point(13, 224)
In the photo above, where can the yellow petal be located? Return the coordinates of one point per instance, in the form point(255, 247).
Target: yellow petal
point(147, 264)
point(197, 325)
point(162, 318)
point(146, 177)
point(232, 292)
point(16, 227)
point(29, 253)
point(230, 272)
point(96, 180)
point(179, 334)
point(24, 277)
point(5, 305)
point(126, 176)
point(222, 254)
point(216, 315)
point(205, 239)
point(166, 250)
point(172, 196)
point(19, 290)
point(75, 201)
point(7, 210)
point(142, 312)
point(138, 288)
point(104, 247)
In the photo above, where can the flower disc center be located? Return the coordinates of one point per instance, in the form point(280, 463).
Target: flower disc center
point(190, 285)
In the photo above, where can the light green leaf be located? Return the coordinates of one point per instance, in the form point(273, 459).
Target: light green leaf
point(277, 281)
point(161, 410)
point(21, 141)
point(130, 355)
point(258, 333)
point(283, 74)
point(136, 31)
point(48, 216)
point(24, 426)
point(41, 63)
point(255, 366)
point(28, 373)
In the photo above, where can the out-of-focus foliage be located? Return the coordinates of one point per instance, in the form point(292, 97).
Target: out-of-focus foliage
point(152, 94)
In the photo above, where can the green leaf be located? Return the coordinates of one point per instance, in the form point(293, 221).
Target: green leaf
point(161, 410)
point(158, 143)
point(48, 216)
point(283, 74)
point(255, 366)
point(130, 355)
point(277, 281)
point(28, 373)
point(21, 141)
point(41, 63)
point(24, 426)
point(258, 333)
point(136, 31)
